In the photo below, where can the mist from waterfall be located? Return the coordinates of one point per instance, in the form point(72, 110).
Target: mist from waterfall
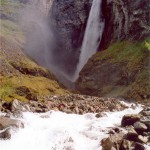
point(40, 39)
point(92, 37)
point(41, 42)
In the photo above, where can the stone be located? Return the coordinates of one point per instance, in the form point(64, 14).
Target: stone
point(113, 141)
point(6, 134)
point(130, 119)
point(142, 139)
point(140, 127)
point(127, 145)
point(1, 127)
point(139, 146)
point(145, 113)
point(77, 110)
point(7, 122)
point(132, 135)
point(16, 105)
point(18, 114)
point(107, 144)
point(55, 109)
point(99, 115)
point(39, 110)
point(146, 121)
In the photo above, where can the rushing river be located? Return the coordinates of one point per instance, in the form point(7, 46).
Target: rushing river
point(61, 131)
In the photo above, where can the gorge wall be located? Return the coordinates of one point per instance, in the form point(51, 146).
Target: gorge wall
point(69, 20)
point(122, 69)
point(125, 20)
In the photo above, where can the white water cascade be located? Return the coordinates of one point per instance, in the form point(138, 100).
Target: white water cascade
point(61, 131)
point(92, 37)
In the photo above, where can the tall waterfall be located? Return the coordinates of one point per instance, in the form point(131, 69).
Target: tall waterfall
point(92, 37)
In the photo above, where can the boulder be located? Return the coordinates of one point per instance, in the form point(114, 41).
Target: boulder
point(7, 122)
point(132, 135)
point(107, 144)
point(99, 115)
point(113, 141)
point(16, 106)
point(130, 119)
point(139, 146)
point(142, 139)
point(146, 121)
point(127, 145)
point(6, 134)
point(140, 127)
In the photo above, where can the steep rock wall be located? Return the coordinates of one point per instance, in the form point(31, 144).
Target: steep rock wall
point(122, 69)
point(125, 20)
point(68, 20)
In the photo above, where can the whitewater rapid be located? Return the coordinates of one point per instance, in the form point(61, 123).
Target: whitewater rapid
point(61, 131)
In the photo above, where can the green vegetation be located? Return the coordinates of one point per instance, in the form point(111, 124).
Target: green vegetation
point(133, 54)
point(27, 87)
point(6, 88)
point(20, 77)
point(123, 70)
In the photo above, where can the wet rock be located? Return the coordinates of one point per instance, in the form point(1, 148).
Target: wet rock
point(107, 144)
point(146, 121)
point(132, 135)
point(1, 127)
point(39, 110)
point(6, 134)
point(17, 114)
point(140, 127)
point(130, 119)
point(139, 146)
point(113, 141)
point(145, 111)
point(127, 145)
point(99, 115)
point(16, 106)
point(6, 106)
point(7, 122)
point(76, 110)
point(142, 139)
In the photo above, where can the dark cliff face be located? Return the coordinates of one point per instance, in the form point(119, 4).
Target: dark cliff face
point(125, 20)
point(68, 19)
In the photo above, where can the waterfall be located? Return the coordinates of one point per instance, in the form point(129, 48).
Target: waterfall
point(92, 37)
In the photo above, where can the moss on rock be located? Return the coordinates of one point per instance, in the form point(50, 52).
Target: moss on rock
point(122, 70)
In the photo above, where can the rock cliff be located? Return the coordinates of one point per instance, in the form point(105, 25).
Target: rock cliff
point(68, 20)
point(125, 20)
point(122, 69)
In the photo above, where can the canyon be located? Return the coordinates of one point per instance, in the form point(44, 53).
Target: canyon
point(74, 75)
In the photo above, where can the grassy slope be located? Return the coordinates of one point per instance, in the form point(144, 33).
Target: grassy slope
point(20, 77)
point(130, 76)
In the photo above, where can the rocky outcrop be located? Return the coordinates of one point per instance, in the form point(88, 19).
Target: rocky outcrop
point(124, 20)
point(68, 20)
point(122, 70)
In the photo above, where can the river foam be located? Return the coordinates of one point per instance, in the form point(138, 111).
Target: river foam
point(61, 131)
